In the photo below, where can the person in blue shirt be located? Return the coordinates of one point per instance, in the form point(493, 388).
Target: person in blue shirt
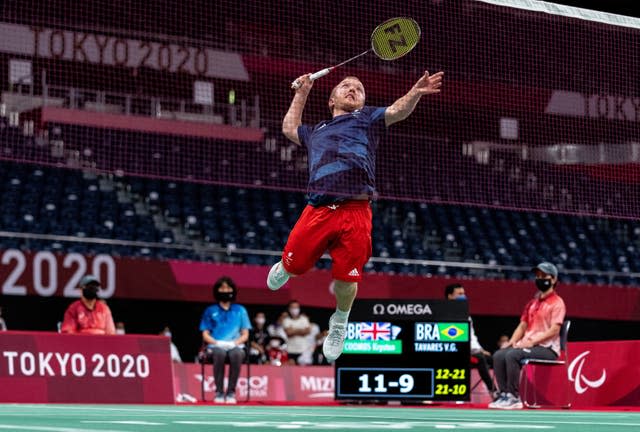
point(341, 154)
point(225, 329)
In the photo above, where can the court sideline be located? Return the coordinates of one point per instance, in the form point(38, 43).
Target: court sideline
point(171, 418)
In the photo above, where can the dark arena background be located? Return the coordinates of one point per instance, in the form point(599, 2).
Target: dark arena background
point(141, 142)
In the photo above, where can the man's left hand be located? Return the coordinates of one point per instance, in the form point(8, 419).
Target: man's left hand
point(429, 84)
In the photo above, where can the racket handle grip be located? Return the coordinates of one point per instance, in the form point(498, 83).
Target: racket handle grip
point(319, 74)
point(314, 76)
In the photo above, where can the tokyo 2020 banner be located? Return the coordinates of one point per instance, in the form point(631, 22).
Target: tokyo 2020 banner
point(51, 367)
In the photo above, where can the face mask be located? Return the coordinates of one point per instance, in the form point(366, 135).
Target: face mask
point(274, 343)
point(167, 334)
point(294, 312)
point(543, 284)
point(225, 296)
point(461, 298)
point(260, 321)
point(120, 331)
point(90, 292)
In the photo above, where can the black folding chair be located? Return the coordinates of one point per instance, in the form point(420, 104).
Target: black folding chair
point(561, 361)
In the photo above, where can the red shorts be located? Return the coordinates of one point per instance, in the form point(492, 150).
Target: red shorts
point(344, 229)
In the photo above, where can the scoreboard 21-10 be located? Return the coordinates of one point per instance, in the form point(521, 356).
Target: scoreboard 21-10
point(405, 350)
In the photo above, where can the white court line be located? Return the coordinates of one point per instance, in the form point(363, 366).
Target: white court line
point(376, 425)
point(311, 410)
point(127, 422)
point(53, 429)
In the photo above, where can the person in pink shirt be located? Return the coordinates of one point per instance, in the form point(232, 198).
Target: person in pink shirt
point(537, 336)
point(88, 315)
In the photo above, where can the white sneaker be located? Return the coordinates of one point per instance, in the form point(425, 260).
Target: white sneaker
point(334, 342)
point(512, 402)
point(277, 276)
point(219, 398)
point(231, 399)
point(497, 404)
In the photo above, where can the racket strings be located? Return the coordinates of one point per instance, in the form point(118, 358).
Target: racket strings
point(395, 38)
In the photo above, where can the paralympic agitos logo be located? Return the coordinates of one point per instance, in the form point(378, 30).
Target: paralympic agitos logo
point(582, 384)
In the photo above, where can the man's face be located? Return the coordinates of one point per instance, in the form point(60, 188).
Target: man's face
point(457, 292)
point(348, 95)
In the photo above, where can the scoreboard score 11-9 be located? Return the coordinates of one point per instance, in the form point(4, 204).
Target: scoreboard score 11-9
point(405, 350)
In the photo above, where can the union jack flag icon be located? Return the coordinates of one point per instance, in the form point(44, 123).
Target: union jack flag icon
point(375, 331)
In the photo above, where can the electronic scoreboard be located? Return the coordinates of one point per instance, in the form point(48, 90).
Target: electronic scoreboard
point(405, 350)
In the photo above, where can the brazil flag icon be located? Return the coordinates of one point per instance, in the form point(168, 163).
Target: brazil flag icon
point(454, 332)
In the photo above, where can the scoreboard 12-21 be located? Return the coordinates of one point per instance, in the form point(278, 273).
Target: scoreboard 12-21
point(405, 350)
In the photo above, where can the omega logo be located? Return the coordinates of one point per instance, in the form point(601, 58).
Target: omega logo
point(401, 309)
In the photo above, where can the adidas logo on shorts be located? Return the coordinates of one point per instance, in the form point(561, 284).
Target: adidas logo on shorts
point(354, 272)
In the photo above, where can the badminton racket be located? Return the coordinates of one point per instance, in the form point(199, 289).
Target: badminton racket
point(392, 39)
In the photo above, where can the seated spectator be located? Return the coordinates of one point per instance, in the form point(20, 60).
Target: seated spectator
point(259, 340)
point(537, 336)
point(175, 354)
point(88, 315)
point(276, 329)
point(297, 327)
point(277, 351)
point(120, 329)
point(306, 358)
point(502, 341)
point(225, 329)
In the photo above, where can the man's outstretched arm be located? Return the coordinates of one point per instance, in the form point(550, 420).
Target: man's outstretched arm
point(293, 118)
point(403, 107)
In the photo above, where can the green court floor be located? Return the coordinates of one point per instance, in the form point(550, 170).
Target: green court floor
point(170, 418)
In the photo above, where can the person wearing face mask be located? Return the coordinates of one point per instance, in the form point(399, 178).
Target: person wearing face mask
point(225, 329)
point(175, 354)
point(297, 327)
point(276, 329)
point(259, 339)
point(89, 315)
point(537, 336)
point(480, 358)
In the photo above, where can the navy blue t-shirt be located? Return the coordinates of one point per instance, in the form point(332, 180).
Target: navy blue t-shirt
point(342, 155)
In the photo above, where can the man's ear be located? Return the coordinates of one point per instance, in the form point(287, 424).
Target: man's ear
point(331, 104)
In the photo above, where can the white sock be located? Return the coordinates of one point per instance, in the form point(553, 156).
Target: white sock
point(342, 316)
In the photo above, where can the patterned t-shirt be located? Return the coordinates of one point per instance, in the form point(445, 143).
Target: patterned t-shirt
point(342, 155)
